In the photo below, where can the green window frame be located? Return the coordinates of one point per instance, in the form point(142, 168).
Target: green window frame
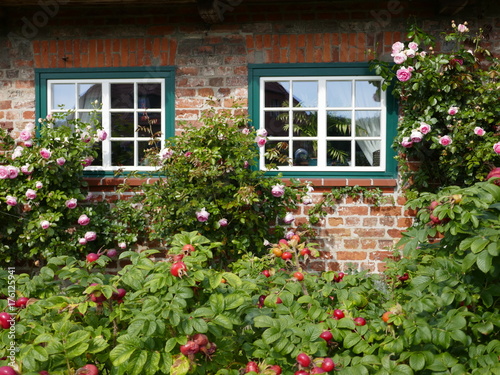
point(323, 118)
point(130, 97)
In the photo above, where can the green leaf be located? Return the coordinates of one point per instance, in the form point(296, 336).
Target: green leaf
point(121, 354)
point(417, 361)
point(180, 365)
point(223, 321)
point(271, 335)
point(263, 321)
point(137, 362)
point(479, 244)
point(484, 260)
point(351, 339)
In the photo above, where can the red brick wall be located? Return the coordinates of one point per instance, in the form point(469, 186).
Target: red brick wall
point(212, 60)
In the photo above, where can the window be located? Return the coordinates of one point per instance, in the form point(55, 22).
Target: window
point(134, 104)
point(328, 120)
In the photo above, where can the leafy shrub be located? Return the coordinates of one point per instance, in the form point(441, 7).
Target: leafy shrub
point(448, 105)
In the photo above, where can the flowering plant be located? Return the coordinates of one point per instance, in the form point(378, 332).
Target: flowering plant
point(449, 120)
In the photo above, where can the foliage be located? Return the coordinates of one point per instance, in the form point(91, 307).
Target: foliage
point(207, 182)
point(44, 195)
point(448, 105)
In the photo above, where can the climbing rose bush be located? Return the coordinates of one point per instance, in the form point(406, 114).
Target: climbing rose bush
point(449, 119)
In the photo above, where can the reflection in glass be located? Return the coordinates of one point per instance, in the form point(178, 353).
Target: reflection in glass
point(368, 94)
point(368, 153)
point(122, 153)
point(88, 94)
point(277, 94)
point(149, 124)
point(122, 95)
point(338, 94)
point(63, 94)
point(98, 160)
point(305, 123)
point(149, 95)
point(305, 94)
point(276, 123)
point(279, 150)
point(86, 117)
point(368, 123)
point(143, 147)
point(305, 153)
point(339, 153)
point(122, 124)
point(64, 121)
point(338, 123)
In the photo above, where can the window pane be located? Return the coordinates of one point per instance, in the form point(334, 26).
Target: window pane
point(143, 148)
point(85, 117)
point(304, 153)
point(277, 94)
point(98, 160)
point(122, 124)
point(122, 153)
point(368, 153)
point(339, 153)
point(88, 95)
point(276, 123)
point(367, 93)
point(338, 93)
point(368, 123)
point(149, 124)
point(149, 95)
point(122, 95)
point(305, 94)
point(63, 94)
point(338, 123)
point(278, 149)
point(305, 123)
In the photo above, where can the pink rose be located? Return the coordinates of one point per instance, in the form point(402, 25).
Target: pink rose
point(29, 127)
point(406, 142)
point(26, 169)
point(404, 74)
point(60, 161)
point(445, 140)
point(10, 200)
point(82, 241)
point(452, 111)
point(202, 215)
point(262, 133)
point(102, 135)
point(30, 194)
point(416, 136)
point(307, 199)
point(245, 131)
point(13, 171)
point(246, 164)
point(289, 234)
point(289, 218)
point(223, 222)
point(462, 28)
point(45, 224)
point(166, 153)
point(87, 161)
point(38, 185)
point(4, 173)
point(18, 151)
point(90, 236)
point(278, 190)
point(397, 47)
point(413, 46)
point(425, 128)
point(496, 147)
point(188, 154)
point(25, 135)
point(400, 58)
point(44, 153)
point(85, 137)
point(71, 203)
point(83, 220)
point(260, 141)
point(410, 53)
point(479, 131)
point(28, 143)
point(122, 245)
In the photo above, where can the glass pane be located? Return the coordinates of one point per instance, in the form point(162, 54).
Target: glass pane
point(368, 123)
point(305, 123)
point(86, 117)
point(98, 160)
point(279, 151)
point(338, 93)
point(65, 120)
point(276, 123)
point(368, 153)
point(122, 124)
point(338, 123)
point(122, 95)
point(276, 94)
point(122, 153)
point(63, 94)
point(368, 93)
point(149, 95)
point(143, 148)
point(305, 153)
point(88, 95)
point(305, 93)
point(149, 124)
point(339, 153)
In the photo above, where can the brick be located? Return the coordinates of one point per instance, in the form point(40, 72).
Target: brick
point(368, 244)
point(351, 244)
point(381, 255)
point(386, 211)
point(394, 233)
point(351, 255)
point(369, 232)
point(387, 221)
point(335, 221)
point(404, 222)
point(352, 210)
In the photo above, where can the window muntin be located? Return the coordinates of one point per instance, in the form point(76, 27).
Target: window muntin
point(325, 123)
point(132, 110)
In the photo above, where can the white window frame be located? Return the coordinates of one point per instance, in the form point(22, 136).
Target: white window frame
point(106, 117)
point(322, 109)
